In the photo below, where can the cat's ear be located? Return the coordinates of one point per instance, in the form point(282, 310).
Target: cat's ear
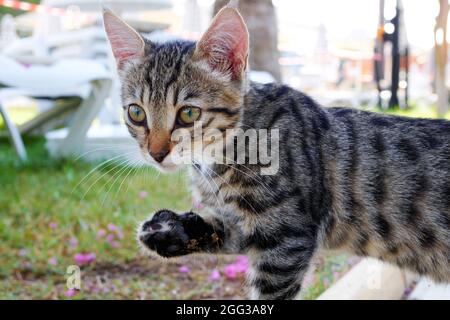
point(125, 42)
point(224, 45)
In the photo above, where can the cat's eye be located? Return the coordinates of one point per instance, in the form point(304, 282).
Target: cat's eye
point(188, 115)
point(136, 113)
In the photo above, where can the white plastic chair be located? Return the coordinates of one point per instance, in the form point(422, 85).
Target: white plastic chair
point(86, 79)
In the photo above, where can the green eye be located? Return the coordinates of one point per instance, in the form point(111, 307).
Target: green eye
point(136, 113)
point(188, 115)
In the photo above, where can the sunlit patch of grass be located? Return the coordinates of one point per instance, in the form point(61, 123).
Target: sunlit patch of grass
point(414, 111)
point(19, 115)
point(37, 194)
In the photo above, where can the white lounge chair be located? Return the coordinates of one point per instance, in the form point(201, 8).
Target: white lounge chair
point(86, 79)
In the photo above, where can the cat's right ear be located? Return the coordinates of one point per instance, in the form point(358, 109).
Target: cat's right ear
point(125, 42)
point(224, 46)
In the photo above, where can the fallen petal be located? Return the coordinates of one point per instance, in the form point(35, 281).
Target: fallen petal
point(111, 227)
point(70, 293)
point(101, 233)
point(184, 269)
point(143, 194)
point(52, 261)
point(215, 275)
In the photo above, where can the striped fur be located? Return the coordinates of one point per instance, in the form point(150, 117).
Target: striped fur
point(369, 184)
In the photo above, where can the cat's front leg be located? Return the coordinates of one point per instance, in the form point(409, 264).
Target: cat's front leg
point(171, 235)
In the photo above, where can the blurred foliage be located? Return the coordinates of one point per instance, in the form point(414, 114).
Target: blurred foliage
point(415, 110)
point(14, 12)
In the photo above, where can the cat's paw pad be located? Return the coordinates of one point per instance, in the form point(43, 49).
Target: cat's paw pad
point(165, 234)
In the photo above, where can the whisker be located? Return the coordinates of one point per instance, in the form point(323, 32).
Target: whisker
point(256, 177)
point(135, 170)
point(106, 162)
point(104, 148)
point(126, 176)
point(236, 191)
point(116, 166)
point(117, 175)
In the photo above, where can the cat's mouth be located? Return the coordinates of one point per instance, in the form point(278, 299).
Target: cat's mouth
point(164, 167)
point(167, 167)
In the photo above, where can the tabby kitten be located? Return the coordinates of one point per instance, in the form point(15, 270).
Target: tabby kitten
point(370, 184)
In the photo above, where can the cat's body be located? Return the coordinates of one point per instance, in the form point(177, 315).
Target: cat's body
point(369, 184)
point(350, 180)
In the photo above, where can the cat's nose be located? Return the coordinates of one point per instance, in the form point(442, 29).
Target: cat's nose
point(159, 145)
point(159, 155)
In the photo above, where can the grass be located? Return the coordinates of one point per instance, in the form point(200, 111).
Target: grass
point(41, 193)
point(414, 111)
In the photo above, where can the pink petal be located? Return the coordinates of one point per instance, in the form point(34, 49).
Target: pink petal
point(73, 242)
point(241, 264)
point(241, 268)
point(90, 257)
point(82, 259)
point(143, 194)
point(215, 275)
point(111, 227)
point(70, 293)
point(114, 244)
point(197, 205)
point(53, 225)
point(110, 237)
point(52, 261)
point(101, 233)
point(242, 259)
point(184, 269)
point(230, 271)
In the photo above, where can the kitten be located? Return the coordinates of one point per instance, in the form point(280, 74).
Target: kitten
point(370, 184)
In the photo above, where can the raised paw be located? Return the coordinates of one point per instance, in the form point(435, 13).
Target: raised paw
point(171, 235)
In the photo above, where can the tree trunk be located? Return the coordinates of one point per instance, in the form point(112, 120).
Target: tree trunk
point(441, 52)
point(262, 26)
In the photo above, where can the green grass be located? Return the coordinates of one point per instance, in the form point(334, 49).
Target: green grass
point(414, 111)
point(42, 192)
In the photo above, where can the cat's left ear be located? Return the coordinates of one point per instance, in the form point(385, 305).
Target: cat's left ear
point(125, 42)
point(225, 44)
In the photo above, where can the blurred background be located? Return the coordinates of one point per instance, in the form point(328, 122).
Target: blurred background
point(71, 187)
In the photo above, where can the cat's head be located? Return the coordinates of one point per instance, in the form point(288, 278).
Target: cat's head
point(182, 85)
